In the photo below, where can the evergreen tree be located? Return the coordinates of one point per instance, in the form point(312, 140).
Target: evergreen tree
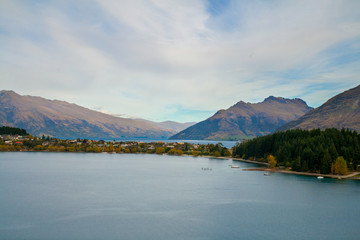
point(306, 150)
point(326, 163)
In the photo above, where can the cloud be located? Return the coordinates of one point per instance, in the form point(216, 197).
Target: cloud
point(179, 59)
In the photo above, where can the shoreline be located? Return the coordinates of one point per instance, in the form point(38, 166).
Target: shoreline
point(250, 161)
point(351, 175)
point(348, 176)
point(276, 170)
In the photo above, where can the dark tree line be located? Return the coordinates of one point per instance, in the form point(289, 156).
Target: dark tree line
point(12, 131)
point(305, 150)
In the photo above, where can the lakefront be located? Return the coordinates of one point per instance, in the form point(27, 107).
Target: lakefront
point(293, 151)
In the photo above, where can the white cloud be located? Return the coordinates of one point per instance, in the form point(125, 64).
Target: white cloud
point(142, 58)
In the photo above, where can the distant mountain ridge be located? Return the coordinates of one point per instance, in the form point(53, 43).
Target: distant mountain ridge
point(171, 125)
point(341, 111)
point(246, 120)
point(65, 120)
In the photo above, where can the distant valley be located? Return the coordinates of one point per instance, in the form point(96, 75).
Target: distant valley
point(171, 125)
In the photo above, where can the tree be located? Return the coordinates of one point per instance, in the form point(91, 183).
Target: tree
point(96, 149)
point(175, 152)
point(159, 150)
point(226, 152)
point(306, 157)
point(118, 149)
point(333, 152)
point(12, 131)
point(4, 148)
point(305, 149)
point(89, 149)
point(326, 163)
point(216, 154)
point(111, 148)
point(70, 149)
point(178, 152)
point(39, 148)
point(171, 151)
point(52, 148)
point(195, 153)
point(340, 166)
point(61, 149)
point(271, 160)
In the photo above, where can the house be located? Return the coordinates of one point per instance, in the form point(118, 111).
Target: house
point(18, 137)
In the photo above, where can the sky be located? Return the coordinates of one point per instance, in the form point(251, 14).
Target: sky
point(178, 60)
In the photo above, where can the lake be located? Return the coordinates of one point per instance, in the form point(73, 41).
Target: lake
point(227, 144)
point(137, 196)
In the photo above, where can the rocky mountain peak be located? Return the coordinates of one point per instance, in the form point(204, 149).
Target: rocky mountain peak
point(340, 111)
point(244, 120)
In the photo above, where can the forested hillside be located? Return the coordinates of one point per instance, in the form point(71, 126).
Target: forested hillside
point(304, 150)
point(12, 131)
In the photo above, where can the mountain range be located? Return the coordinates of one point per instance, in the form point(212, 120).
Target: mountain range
point(60, 119)
point(171, 125)
point(341, 111)
point(247, 120)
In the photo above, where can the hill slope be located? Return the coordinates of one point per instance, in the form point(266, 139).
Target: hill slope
point(64, 120)
point(245, 120)
point(341, 111)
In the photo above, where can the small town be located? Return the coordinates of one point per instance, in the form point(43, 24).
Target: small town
point(28, 142)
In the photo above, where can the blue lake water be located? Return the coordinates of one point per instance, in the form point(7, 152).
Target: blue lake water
point(136, 196)
point(227, 144)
